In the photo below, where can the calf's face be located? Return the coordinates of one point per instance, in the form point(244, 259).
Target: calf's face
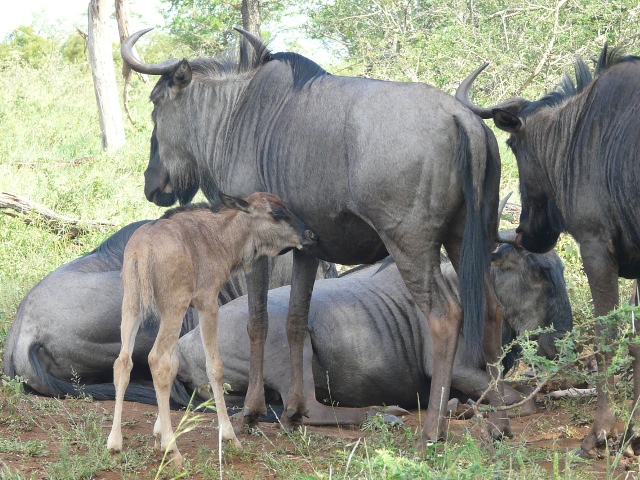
point(274, 229)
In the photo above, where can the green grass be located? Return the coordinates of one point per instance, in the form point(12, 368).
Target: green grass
point(50, 153)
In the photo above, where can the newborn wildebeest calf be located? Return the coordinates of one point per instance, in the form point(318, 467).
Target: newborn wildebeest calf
point(66, 333)
point(183, 260)
point(368, 343)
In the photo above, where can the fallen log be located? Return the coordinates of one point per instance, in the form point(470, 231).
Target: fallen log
point(34, 213)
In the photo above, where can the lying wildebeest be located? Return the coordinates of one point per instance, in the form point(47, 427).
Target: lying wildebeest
point(66, 333)
point(182, 261)
point(368, 341)
point(577, 150)
point(373, 167)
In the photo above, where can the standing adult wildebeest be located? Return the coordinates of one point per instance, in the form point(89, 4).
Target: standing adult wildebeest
point(182, 261)
point(578, 154)
point(373, 167)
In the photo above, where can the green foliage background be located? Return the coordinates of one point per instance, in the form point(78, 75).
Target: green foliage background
point(50, 140)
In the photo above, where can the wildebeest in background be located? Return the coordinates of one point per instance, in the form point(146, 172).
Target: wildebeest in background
point(66, 333)
point(373, 167)
point(182, 261)
point(369, 343)
point(578, 154)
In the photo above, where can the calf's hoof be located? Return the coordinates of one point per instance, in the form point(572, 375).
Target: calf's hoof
point(236, 443)
point(114, 444)
point(175, 459)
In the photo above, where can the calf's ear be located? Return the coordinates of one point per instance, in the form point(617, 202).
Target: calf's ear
point(235, 203)
point(506, 121)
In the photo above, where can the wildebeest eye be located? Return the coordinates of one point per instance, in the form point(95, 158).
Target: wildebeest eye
point(279, 214)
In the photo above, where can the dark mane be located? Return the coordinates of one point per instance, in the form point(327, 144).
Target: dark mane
point(190, 207)
point(114, 245)
point(247, 58)
point(583, 77)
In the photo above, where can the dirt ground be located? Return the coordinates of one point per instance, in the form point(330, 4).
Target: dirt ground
point(555, 429)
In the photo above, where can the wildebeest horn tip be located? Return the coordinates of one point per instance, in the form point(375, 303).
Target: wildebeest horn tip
point(503, 203)
point(126, 51)
point(462, 94)
point(507, 236)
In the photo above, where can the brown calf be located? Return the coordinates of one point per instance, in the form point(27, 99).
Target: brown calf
point(183, 260)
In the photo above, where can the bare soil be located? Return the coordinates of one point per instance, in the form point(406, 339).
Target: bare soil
point(548, 429)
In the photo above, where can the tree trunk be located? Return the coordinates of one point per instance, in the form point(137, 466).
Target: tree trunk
point(104, 77)
point(251, 16)
point(122, 17)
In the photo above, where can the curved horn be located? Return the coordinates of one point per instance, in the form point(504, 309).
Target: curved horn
point(257, 44)
point(503, 203)
point(126, 51)
point(507, 236)
point(462, 94)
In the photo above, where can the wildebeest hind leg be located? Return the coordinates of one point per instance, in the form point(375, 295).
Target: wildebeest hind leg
point(435, 297)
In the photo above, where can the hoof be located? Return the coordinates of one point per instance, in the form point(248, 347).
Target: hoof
point(423, 444)
point(292, 419)
point(500, 435)
point(175, 459)
point(244, 421)
point(114, 445)
point(581, 452)
point(236, 443)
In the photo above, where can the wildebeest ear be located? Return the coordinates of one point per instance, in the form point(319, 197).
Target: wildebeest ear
point(506, 121)
point(234, 203)
point(181, 77)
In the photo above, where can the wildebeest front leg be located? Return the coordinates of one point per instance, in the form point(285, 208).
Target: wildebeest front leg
point(631, 435)
point(257, 327)
point(302, 281)
point(492, 348)
point(602, 273)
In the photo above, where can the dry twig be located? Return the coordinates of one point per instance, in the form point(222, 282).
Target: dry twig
point(31, 212)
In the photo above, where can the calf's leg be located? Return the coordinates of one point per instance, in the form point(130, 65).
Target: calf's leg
point(208, 314)
point(131, 319)
point(163, 362)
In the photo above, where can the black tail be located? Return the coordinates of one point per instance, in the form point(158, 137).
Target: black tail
point(476, 244)
point(56, 387)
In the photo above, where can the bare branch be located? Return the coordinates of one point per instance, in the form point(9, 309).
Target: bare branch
point(31, 212)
